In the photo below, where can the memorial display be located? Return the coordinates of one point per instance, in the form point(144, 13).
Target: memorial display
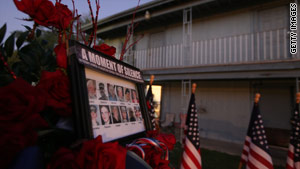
point(111, 98)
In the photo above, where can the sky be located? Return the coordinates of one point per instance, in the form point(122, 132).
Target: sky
point(11, 16)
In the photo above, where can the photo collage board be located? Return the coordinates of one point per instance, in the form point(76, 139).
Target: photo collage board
point(114, 106)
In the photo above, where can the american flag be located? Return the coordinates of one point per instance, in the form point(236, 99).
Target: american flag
point(149, 101)
point(256, 153)
point(191, 158)
point(293, 159)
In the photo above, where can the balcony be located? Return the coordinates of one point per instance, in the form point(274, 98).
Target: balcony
point(259, 47)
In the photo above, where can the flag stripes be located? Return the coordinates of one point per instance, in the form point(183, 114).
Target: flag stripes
point(191, 158)
point(256, 150)
point(293, 158)
point(259, 158)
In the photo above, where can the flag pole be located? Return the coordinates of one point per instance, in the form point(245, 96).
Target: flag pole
point(151, 79)
point(240, 165)
point(256, 100)
point(257, 97)
point(298, 98)
point(194, 88)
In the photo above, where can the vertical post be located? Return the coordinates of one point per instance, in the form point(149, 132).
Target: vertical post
point(187, 36)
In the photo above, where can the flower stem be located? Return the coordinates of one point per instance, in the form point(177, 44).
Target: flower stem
point(7, 67)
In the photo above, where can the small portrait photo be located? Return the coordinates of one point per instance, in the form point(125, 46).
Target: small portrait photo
point(111, 92)
point(124, 114)
point(131, 114)
point(105, 115)
point(95, 120)
point(120, 93)
point(138, 114)
point(91, 87)
point(115, 114)
point(127, 95)
point(134, 96)
point(102, 91)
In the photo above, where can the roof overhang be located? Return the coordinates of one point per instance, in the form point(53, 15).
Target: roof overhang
point(267, 70)
point(166, 12)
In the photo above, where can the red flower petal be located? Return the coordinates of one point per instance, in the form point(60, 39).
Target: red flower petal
point(61, 55)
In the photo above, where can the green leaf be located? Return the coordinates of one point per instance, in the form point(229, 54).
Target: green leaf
point(38, 33)
point(9, 45)
point(21, 39)
point(27, 27)
point(28, 57)
point(2, 32)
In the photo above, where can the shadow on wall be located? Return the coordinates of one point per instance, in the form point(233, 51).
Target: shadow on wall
point(221, 130)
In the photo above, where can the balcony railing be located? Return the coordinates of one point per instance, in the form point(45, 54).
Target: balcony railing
point(246, 48)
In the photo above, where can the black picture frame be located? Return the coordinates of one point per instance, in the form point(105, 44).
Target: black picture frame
point(81, 58)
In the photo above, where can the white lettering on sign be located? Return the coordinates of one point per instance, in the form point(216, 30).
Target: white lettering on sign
point(98, 61)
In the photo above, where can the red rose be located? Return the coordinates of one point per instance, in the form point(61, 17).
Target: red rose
point(154, 158)
point(18, 100)
point(61, 55)
point(63, 159)
point(39, 10)
point(62, 17)
point(104, 48)
point(56, 85)
point(168, 139)
point(97, 155)
point(20, 104)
